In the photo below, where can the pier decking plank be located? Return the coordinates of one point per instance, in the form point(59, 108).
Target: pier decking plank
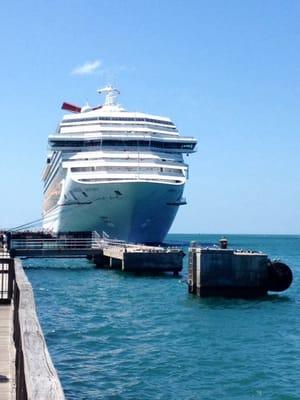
point(7, 354)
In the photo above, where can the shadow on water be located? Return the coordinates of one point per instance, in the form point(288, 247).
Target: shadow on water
point(278, 298)
point(153, 274)
point(85, 265)
point(75, 268)
point(235, 302)
point(57, 264)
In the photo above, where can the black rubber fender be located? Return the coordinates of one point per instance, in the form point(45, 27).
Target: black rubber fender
point(280, 276)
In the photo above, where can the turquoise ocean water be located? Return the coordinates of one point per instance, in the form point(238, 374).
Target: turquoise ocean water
point(121, 336)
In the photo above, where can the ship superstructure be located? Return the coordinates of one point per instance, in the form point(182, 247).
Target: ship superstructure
point(114, 171)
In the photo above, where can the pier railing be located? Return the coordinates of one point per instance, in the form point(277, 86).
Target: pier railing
point(91, 247)
point(6, 279)
point(64, 243)
point(57, 244)
point(36, 377)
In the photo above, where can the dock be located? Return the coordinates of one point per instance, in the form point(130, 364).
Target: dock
point(7, 361)
point(140, 258)
point(235, 273)
point(7, 349)
point(26, 368)
point(105, 253)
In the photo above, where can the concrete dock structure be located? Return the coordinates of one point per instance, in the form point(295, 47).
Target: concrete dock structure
point(235, 273)
point(104, 253)
point(140, 258)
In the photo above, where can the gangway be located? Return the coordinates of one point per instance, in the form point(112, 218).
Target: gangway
point(104, 252)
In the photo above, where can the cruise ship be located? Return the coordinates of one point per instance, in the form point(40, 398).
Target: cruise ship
point(116, 172)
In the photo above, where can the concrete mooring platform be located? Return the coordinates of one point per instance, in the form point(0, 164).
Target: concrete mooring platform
point(140, 258)
point(235, 273)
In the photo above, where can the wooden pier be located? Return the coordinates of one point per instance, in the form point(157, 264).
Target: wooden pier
point(7, 349)
point(26, 368)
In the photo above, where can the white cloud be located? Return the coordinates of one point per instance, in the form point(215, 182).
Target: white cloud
point(90, 67)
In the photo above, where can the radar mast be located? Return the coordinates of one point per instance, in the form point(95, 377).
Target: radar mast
point(111, 95)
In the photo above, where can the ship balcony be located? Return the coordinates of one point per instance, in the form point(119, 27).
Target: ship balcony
point(120, 143)
point(130, 170)
point(130, 167)
point(105, 176)
point(92, 164)
point(113, 129)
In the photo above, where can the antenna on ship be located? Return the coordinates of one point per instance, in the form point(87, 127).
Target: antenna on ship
point(111, 95)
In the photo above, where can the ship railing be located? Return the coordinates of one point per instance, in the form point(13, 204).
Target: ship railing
point(125, 170)
point(137, 159)
point(114, 242)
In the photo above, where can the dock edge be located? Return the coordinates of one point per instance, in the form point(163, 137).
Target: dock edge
point(36, 376)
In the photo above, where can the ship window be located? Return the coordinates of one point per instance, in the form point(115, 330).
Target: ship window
point(113, 143)
point(95, 180)
point(106, 142)
point(143, 143)
point(125, 119)
point(132, 143)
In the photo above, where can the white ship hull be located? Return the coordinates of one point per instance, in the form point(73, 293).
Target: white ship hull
point(133, 211)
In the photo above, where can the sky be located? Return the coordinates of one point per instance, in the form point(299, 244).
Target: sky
point(225, 72)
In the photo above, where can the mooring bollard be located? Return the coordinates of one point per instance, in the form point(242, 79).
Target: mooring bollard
point(223, 243)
